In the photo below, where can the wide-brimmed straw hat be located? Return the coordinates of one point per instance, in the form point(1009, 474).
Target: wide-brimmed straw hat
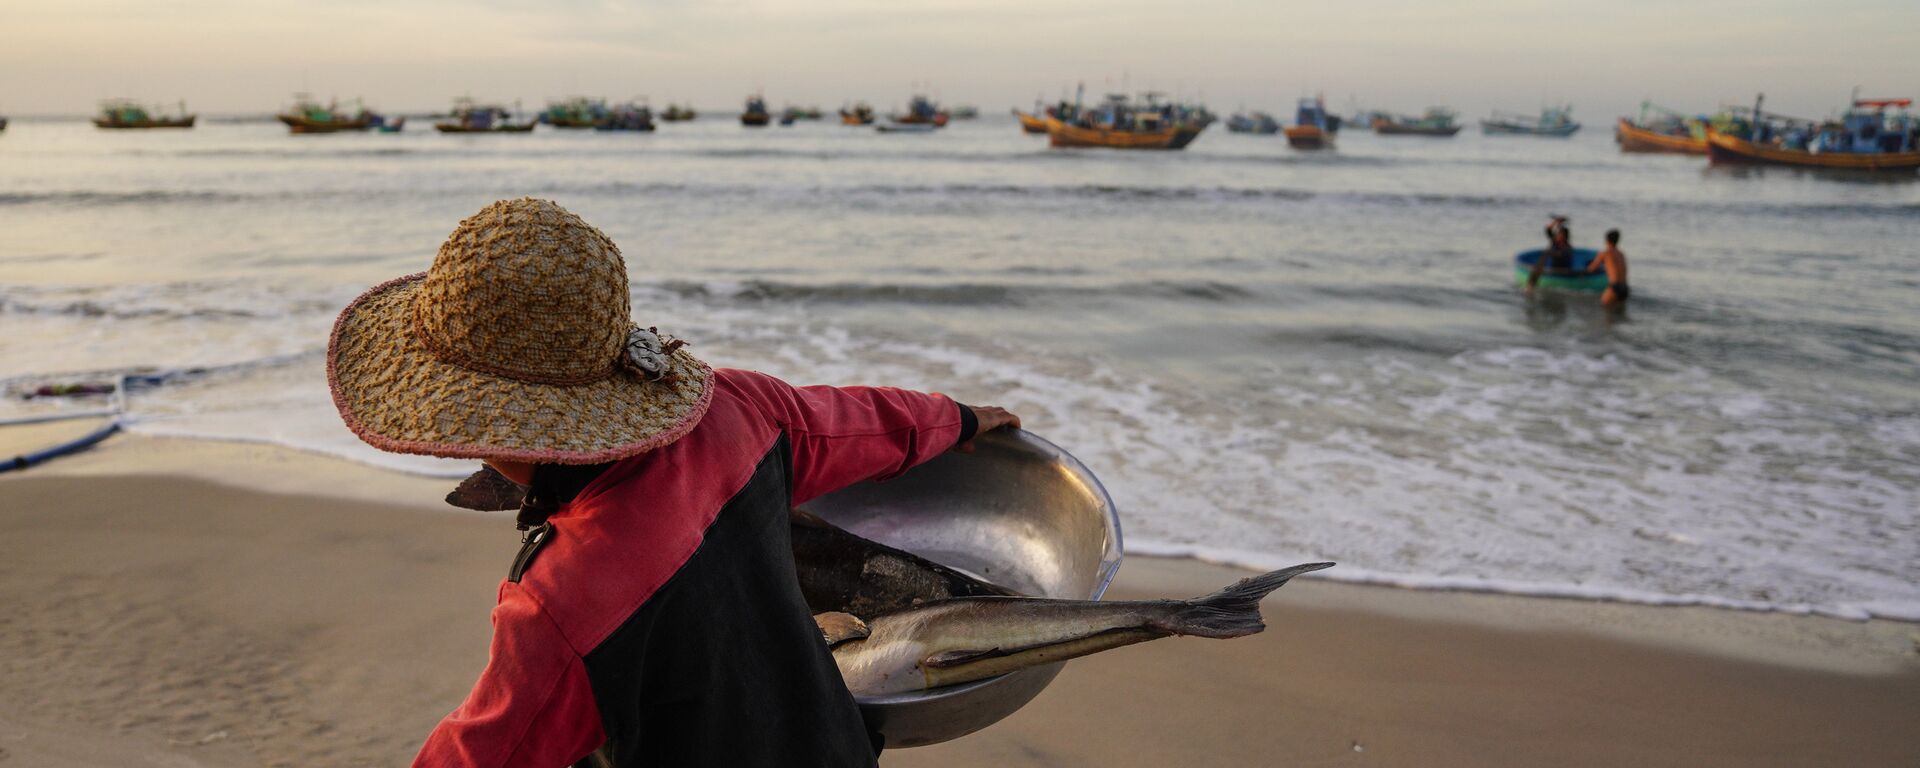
point(517, 344)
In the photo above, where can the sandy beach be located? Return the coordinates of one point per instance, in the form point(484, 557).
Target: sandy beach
point(182, 603)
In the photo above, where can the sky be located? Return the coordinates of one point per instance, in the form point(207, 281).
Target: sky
point(250, 56)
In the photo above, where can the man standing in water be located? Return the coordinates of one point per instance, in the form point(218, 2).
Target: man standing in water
point(1615, 262)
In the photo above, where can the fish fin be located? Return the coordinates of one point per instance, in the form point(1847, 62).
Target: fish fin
point(958, 657)
point(837, 627)
point(487, 491)
point(1234, 611)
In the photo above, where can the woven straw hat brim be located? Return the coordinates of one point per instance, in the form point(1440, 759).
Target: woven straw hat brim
point(395, 395)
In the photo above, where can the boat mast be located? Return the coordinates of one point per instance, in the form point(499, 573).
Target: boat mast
point(1755, 137)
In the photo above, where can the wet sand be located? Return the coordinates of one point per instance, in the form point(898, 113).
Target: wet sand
point(178, 603)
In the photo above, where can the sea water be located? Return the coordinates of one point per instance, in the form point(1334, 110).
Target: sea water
point(1269, 356)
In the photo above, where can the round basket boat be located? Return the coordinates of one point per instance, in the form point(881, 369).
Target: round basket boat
point(1580, 280)
point(1018, 512)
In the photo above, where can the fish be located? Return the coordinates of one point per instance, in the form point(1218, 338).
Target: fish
point(898, 622)
point(964, 639)
point(841, 572)
point(838, 571)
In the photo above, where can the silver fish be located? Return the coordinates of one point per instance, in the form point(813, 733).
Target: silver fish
point(974, 638)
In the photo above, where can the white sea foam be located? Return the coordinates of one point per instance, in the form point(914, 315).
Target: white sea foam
point(1517, 469)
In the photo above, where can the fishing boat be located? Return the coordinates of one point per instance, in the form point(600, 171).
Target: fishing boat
point(1872, 135)
point(390, 125)
point(965, 112)
point(1552, 121)
point(1253, 122)
point(631, 116)
point(308, 116)
point(576, 112)
point(1438, 121)
point(922, 110)
point(1034, 122)
point(1659, 129)
point(756, 114)
point(1577, 279)
point(1119, 123)
point(1310, 129)
point(805, 113)
point(471, 117)
point(678, 113)
point(861, 113)
point(857, 114)
point(125, 113)
point(3, 123)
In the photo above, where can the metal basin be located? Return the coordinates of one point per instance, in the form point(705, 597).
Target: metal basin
point(1018, 512)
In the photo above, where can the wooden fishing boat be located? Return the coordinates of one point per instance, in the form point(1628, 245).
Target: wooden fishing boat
point(756, 114)
point(922, 110)
point(1554, 122)
point(1875, 135)
point(469, 117)
point(1726, 149)
point(1031, 123)
point(1310, 129)
point(1438, 121)
point(123, 113)
point(1633, 138)
point(1576, 279)
point(631, 116)
point(1659, 129)
point(677, 113)
point(575, 112)
point(307, 116)
point(861, 113)
point(1175, 136)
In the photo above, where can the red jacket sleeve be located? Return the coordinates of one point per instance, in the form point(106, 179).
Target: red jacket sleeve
point(844, 435)
point(533, 706)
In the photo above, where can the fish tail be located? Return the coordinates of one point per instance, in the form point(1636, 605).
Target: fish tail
point(1231, 612)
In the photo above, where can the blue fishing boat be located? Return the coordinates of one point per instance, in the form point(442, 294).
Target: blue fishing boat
point(1576, 280)
point(1312, 127)
point(1553, 121)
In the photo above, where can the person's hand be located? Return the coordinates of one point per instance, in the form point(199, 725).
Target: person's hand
point(989, 418)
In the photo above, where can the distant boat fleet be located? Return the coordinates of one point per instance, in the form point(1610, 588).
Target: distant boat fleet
point(1877, 134)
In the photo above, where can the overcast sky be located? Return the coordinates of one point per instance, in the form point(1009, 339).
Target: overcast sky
point(223, 56)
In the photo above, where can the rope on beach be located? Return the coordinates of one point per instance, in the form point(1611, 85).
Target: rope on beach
point(78, 444)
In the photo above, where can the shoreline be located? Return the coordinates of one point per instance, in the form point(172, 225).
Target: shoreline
point(228, 604)
point(150, 454)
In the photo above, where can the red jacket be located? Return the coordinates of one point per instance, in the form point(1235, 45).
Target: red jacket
point(661, 622)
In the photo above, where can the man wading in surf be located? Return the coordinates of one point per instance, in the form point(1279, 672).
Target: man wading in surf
point(652, 616)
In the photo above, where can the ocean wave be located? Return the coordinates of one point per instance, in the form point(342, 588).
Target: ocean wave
point(1015, 194)
point(130, 197)
point(1262, 561)
point(952, 293)
point(194, 300)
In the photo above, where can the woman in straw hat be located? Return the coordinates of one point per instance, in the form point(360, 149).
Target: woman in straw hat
point(653, 613)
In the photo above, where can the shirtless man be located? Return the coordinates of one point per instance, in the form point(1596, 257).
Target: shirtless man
point(1615, 262)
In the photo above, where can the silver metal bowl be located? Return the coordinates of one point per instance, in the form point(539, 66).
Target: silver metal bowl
point(1018, 512)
